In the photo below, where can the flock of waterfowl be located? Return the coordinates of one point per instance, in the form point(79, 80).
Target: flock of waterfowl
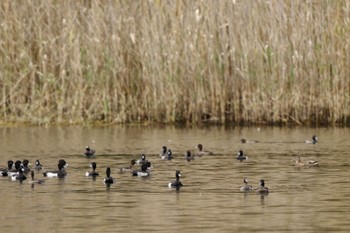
point(18, 170)
point(262, 189)
point(298, 162)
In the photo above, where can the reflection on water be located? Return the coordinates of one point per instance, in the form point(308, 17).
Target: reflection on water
point(300, 199)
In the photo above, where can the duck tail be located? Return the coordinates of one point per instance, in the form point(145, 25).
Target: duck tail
point(4, 173)
point(315, 163)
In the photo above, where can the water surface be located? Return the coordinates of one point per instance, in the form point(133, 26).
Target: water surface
point(300, 199)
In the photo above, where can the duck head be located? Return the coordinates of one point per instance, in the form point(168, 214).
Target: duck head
point(25, 162)
point(262, 183)
point(108, 171)
point(9, 164)
point(143, 157)
point(133, 162)
point(164, 149)
point(93, 165)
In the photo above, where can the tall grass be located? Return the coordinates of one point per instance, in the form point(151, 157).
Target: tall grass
point(241, 61)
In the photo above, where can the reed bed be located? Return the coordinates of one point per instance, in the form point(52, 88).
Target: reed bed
point(237, 61)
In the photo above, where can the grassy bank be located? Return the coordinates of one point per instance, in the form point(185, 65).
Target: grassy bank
point(175, 61)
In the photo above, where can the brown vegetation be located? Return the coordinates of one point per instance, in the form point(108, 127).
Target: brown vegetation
point(241, 61)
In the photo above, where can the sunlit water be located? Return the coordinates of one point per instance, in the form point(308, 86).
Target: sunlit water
point(300, 199)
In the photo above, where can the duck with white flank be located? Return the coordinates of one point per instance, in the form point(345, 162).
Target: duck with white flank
point(144, 171)
point(5, 171)
point(19, 176)
point(177, 183)
point(25, 166)
point(60, 172)
point(92, 173)
point(168, 155)
point(14, 170)
point(313, 140)
point(241, 156)
point(163, 152)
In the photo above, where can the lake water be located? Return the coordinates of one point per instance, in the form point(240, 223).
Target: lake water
point(300, 199)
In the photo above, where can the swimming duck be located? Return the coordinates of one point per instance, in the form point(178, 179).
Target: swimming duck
point(89, 152)
point(108, 179)
point(63, 162)
point(19, 176)
point(201, 152)
point(38, 166)
point(168, 155)
point(177, 183)
point(309, 163)
point(262, 189)
point(313, 141)
point(14, 170)
point(93, 173)
point(60, 173)
point(34, 181)
point(163, 152)
point(244, 140)
point(129, 168)
point(189, 156)
point(241, 156)
point(142, 160)
point(25, 166)
point(5, 171)
point(246, 187)
point(9, 164)
point(144, 171)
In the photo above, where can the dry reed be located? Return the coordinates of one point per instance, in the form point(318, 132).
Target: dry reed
point(240, 61)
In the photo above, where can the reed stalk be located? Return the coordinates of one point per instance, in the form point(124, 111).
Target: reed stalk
point(234, 61)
